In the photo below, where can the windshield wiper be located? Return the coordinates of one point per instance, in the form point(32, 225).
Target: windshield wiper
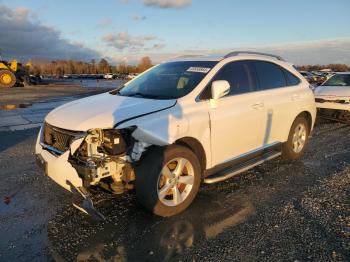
point(150, 96)
point(117, 90)
point(136, 94)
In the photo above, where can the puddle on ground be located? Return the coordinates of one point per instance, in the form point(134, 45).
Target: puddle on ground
point(14, 106)
point(134, 236)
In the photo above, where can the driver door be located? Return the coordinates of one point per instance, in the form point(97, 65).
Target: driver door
point(237, 122)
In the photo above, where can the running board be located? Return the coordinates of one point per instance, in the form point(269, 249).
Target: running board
point(240, 168)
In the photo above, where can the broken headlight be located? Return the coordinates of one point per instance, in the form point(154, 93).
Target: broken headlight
point(116, 142)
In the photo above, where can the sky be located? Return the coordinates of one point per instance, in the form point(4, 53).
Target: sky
point(303, 32)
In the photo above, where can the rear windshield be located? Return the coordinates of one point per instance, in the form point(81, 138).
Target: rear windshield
point(338, 80)
point(168, 81)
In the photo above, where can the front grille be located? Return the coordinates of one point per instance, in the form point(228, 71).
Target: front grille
point(58, 138)
point(319, 100)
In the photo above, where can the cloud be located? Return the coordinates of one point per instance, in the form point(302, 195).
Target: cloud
point(168, 3)
point(163, 3)
point(322, 52)
point(138, 18)
point(22, 11)
point(123, 40)
point(105, 22)
point(158, 46)
point(314, 52)
point(23, 37)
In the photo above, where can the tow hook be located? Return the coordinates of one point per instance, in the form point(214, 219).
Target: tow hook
point(87, 206)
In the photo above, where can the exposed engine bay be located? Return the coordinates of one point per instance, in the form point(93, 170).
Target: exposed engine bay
point(104, 158)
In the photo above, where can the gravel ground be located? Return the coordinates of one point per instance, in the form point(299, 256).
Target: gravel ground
point(279, 211)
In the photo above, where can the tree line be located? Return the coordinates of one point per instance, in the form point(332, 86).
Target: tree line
point(333, 67)
point(63, 67)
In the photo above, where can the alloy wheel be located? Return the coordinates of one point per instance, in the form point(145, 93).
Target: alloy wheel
point(175, 181)
point(299, 138)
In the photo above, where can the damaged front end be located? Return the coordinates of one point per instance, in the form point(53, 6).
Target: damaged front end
point(104, 159)
point(84, 161)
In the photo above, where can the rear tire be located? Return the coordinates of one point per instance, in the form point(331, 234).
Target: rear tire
point(297, 139)
point(7, 79)
point(168, 179)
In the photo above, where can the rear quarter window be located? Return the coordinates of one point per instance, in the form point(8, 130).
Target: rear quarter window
point(292, 80)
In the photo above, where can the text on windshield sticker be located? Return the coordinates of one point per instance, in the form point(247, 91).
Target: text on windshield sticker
point(203, 70)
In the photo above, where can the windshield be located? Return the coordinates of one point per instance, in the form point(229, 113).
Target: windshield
point(168, 81)
point(338, 80)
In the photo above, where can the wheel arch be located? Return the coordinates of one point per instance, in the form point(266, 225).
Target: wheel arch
point(194, 145)
point(307, 115)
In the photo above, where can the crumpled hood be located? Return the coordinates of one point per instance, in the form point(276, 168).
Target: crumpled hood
point(102, 111)
point(336, 91)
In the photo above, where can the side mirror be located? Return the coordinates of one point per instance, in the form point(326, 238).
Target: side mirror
point(219, 89)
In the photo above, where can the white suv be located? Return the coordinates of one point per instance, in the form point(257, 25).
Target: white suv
point(187, 121)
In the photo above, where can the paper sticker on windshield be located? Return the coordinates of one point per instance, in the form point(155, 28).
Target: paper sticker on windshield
point(203, 70)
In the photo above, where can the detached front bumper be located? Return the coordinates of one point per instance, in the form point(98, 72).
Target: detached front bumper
point(61, 171)
point(57, 167)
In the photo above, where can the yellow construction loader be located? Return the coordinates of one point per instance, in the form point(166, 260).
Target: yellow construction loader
point(13, 73)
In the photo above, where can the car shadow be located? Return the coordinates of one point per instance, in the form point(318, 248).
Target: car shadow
point(132, 234)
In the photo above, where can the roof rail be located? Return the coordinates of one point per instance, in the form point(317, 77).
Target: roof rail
point(236, 53)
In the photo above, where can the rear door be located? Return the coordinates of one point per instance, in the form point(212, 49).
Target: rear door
point(236, 122)
point(280, 92)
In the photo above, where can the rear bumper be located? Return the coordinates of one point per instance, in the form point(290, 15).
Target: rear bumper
point(57, 167)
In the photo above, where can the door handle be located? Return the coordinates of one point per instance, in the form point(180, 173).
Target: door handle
point(258, 105)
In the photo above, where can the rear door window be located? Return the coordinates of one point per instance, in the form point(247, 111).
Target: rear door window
point(269, 75)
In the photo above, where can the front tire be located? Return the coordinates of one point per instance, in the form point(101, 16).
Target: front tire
point(168, 179)
point(297, 139)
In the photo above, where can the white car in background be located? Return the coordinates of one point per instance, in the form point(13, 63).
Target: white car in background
point(333, 97)
point(181, 123)
point(132, 75)
point(108, 76)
